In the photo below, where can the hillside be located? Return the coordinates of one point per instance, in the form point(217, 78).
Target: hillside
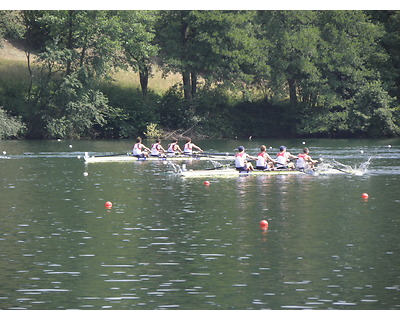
point(11, 53)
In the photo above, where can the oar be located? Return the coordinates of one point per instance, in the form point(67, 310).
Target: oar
point(114, 155)
point(335, 168)
point(215, 154)
point(220, 167)
point(340, 170)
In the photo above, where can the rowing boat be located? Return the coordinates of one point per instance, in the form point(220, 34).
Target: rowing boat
point(234, 173)
point(130, 158)
point(230, 172)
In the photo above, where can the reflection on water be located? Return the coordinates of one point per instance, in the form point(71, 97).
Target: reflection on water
point(172, 243)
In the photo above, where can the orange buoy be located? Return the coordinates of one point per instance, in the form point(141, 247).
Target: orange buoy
point(206, 183)
point(364, 195)
point(108, 204)
point(264, 224)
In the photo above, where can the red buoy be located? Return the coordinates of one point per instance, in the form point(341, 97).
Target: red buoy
point(364, 195)
point(264, 224)
point(108, 204)
point(206, 183)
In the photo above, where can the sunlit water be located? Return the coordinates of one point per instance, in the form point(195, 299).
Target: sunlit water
point(173, 243)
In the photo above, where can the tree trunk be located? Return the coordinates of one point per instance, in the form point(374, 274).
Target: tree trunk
point(194, 83)
point(70, 39)
point(187, 85)
point(144, 78)
point(292, 91)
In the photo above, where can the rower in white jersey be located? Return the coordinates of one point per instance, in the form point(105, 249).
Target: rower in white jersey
point(304, 161)
point(173, 148)
point(188, 148)
point(264, 161)
point(139, 149)
point(156, 149)
point(282, 159)
point(241, 162)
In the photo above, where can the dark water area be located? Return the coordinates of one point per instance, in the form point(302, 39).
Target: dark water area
point(170, 243)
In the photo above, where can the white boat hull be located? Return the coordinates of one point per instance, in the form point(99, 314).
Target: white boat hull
point(236, 173)
point(129, 158)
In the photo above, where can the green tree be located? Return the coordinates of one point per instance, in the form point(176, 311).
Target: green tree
point(10, 127)
point(322, 60)
point(217, 46)
point(79, 50)
point(390, 42)
point(10, 24)
point(136, 37)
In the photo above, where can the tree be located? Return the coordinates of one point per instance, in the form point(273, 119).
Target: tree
point(10, 24)
point(79, 50)
point(217, 46)
point(136, 36)
point(390, 42)
point(322, 59)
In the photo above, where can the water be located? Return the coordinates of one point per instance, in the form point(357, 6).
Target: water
point(170, 243)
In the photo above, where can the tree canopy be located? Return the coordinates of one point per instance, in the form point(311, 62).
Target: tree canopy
point(267, 73)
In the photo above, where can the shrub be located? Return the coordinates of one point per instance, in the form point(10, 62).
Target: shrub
point(152, 131)
point(10, 127)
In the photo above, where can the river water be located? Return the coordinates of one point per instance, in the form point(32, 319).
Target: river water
point(173, 243)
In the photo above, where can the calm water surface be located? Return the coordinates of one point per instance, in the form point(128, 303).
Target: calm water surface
point(170, 243)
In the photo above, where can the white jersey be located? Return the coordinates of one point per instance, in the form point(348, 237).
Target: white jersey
point(261, 162)
point(171, 148)
point(154, 149)
point(240, 160)
point(301, 161)
point(188, 149)
point(282, 158)
point(137, 149)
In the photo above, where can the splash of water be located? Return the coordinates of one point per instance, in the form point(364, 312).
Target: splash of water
point(358, 170)
point(215, 163)
point(177, 168)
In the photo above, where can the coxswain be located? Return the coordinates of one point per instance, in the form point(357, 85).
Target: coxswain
point(241, 162)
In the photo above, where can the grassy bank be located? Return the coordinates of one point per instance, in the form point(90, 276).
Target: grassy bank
point(157, 83)
point(13, 69)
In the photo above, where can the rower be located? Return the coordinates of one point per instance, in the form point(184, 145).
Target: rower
point(140, 150)
point(282, 159)
point(304, 161)
point(264, 161)
point(173, 148)
point(241, 162)
point(156, 149)
point(188, 148)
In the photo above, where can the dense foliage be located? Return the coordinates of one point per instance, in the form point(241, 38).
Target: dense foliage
point(260, 73)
